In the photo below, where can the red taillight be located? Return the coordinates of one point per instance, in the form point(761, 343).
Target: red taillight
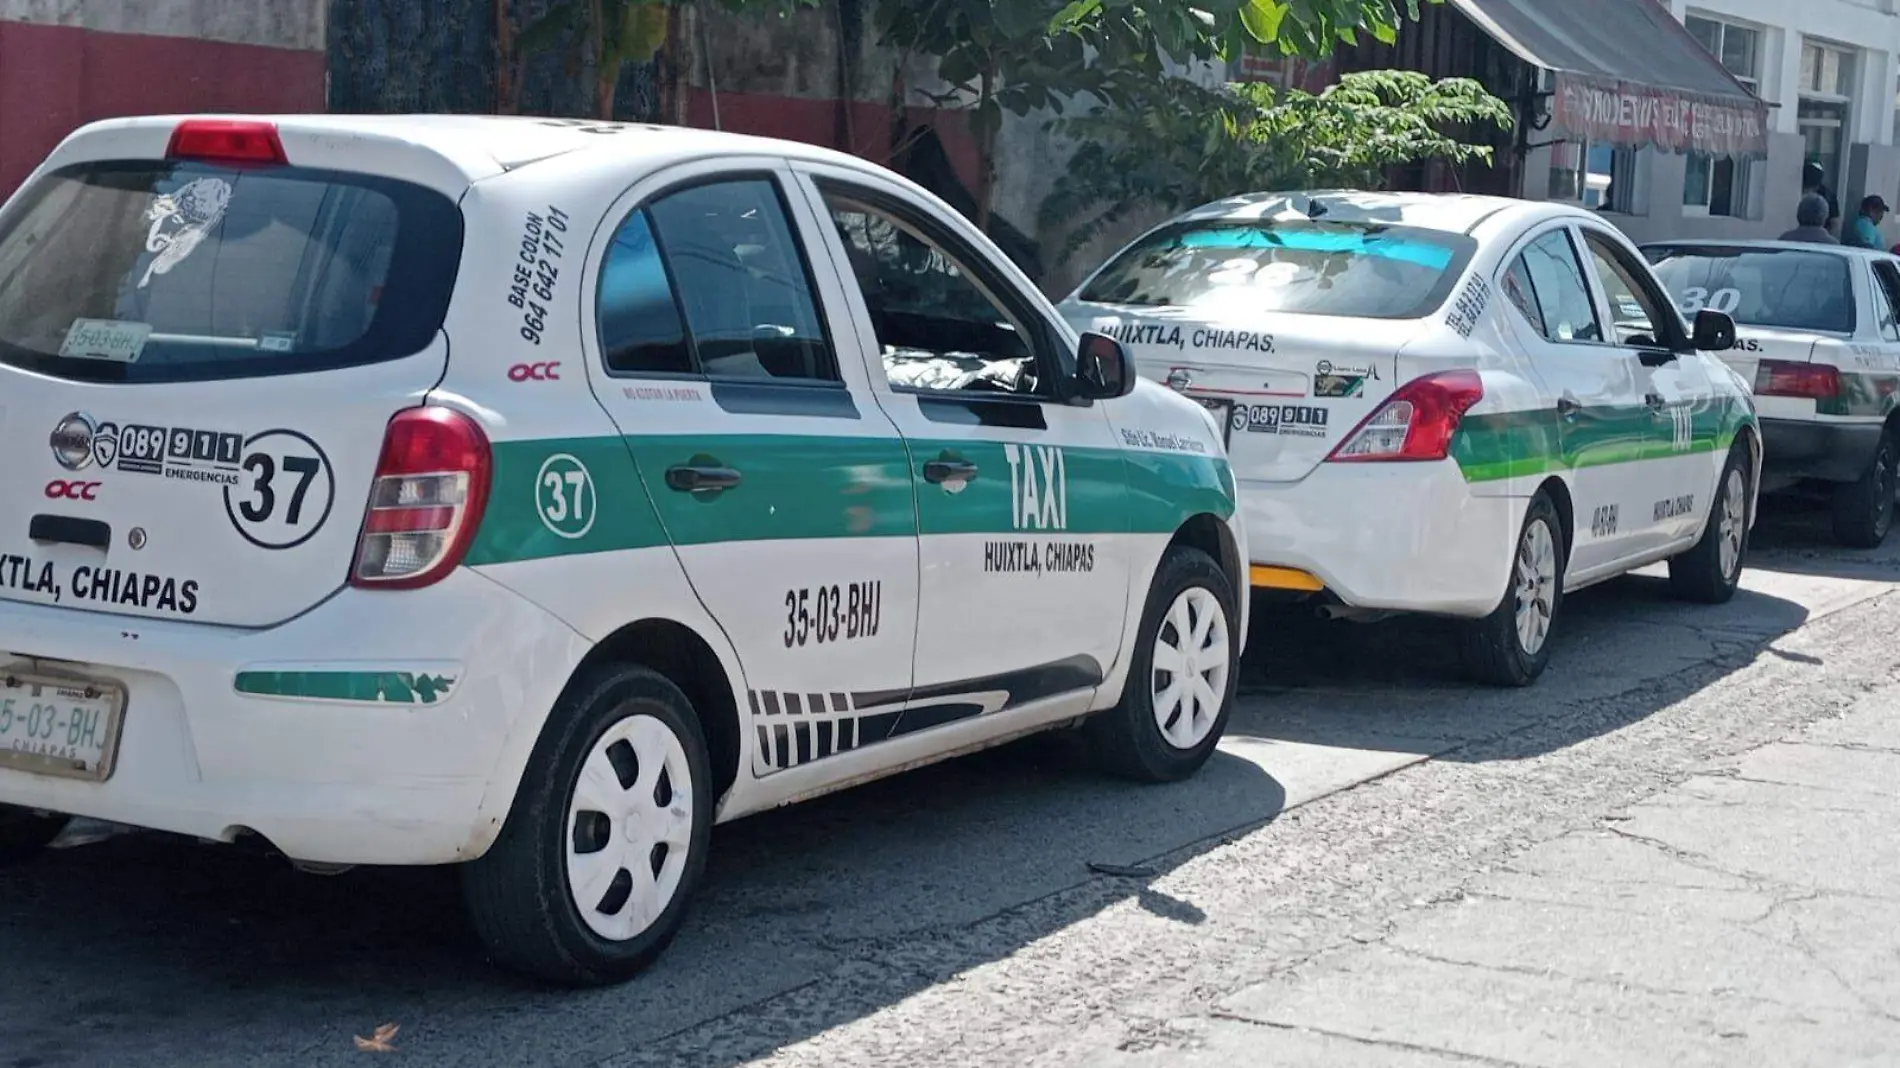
point(1416, 422)
point(1779, 378)
point(426, 502)
point(226, 141)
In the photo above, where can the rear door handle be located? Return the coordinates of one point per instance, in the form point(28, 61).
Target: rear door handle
point(1568, 407)
point(70, 530)
point(1655, 401)
point(693, 478)
point(949, 471)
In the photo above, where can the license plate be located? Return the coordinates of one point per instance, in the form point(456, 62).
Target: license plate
point(1223, 410)
point(59, 726)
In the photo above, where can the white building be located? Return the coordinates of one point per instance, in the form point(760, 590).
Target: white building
point(1828, 71)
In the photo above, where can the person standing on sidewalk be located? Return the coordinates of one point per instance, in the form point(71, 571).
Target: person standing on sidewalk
point(1811, 222)
point(1865, 231)
point(1814, 181)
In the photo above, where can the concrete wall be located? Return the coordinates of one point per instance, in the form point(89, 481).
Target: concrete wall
point(64, 63)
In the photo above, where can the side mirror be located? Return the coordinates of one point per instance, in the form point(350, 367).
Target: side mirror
point(1714, 331)
point(1103, 370)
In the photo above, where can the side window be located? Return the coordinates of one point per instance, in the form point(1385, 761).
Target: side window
point(1566, 312)
point(937, 328)
point(1886, 299)
point(1637, 316)
point(710, 280)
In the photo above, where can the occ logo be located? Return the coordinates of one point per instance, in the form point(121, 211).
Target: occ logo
point(62, 490)
point(535, 372)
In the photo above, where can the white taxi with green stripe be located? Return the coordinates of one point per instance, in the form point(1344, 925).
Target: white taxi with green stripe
point(1818, 339)
point(533, 494)
point(1452, 405)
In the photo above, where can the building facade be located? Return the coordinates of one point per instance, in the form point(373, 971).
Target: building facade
point(1828, 70)
point(64, 63)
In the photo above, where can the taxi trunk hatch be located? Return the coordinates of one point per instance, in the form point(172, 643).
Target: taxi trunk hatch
point(199, 362)
point(1289, 389)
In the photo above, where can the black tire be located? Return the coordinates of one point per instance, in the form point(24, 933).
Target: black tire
point(1128, 740)
point(1490, 649)
point(518, 893)
point(24, 833)
point(1700, 574)
point(1863, 508)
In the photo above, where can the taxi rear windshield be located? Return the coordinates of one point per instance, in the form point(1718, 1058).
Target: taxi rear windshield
point(1352, 270)
point(158, 271)
point(1789, 289)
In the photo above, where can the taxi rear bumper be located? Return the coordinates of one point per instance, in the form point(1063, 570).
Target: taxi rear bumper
point(1795, 449)
point(1407, 537)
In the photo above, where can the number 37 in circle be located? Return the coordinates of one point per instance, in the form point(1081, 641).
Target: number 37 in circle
point(564, 496)
point(283, 491)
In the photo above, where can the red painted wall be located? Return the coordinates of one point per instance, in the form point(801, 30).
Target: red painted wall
point(54, 79)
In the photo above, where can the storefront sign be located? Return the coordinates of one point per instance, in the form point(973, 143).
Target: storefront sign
point(1644, 116)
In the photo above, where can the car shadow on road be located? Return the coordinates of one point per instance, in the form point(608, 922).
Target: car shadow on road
point(158, 950)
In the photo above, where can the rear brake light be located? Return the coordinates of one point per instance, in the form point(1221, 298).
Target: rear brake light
point(1779, 378)
point(426, 501)
point(226, 141)
point(1415, 423)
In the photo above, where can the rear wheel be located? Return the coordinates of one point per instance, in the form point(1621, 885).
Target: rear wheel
point(23, 832)
point(1511, 646)
point(1863, 508)
point(589, 880)
point(1710, 571)
point(1180, 687)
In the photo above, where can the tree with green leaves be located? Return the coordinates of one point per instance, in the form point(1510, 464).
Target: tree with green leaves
point(1184, 145)
point(1019, 55)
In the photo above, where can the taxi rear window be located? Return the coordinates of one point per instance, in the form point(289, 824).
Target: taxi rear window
point(1789, 289)
point(1352, 270)
point(160, 271)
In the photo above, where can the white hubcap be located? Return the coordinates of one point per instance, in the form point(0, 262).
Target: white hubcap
point(629, 826)
point(1536, 585)
point(1733, 522)
point(1190, 668)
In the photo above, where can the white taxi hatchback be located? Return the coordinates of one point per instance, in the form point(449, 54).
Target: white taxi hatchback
point(1435, 404)
point(533, 494)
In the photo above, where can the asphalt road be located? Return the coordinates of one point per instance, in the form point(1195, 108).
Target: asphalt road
point(950, 916)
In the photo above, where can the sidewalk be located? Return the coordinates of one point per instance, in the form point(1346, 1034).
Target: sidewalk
point(1743, 917)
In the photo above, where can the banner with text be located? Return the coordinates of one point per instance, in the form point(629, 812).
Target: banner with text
point(1643, 116)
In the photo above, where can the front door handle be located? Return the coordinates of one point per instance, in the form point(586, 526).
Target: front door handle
point(1567, 407)
point(694, 478)
point(949, 471)
point(1655, 401)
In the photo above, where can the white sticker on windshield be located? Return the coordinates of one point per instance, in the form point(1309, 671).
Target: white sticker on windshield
point(180, 221)
point(105, 339)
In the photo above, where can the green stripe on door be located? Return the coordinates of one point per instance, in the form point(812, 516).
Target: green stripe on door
point(558, 497)
point(1521, 444)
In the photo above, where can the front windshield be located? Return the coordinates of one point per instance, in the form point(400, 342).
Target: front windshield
point(1357, 270)
point(1788, 289)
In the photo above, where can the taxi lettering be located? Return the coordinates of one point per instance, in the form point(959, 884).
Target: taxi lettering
point(1039, 487)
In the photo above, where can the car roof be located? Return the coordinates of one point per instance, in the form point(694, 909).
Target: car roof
point(1773, 246)
point(479, 146)
point(1451, 212)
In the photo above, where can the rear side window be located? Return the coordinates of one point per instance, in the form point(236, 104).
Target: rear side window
point(1355, 270)
point(1786, 288)
point(167, 272)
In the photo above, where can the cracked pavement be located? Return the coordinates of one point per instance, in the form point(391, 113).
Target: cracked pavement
point(1676, 849)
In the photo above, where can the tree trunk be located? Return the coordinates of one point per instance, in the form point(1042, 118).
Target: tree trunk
point(507, 61)
point(987, 136)
point(676, 66)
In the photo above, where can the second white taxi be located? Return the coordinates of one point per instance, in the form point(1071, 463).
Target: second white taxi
point(1432, 407)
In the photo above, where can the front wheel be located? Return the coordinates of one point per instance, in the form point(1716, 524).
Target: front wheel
point(1180, 688)
point(23, 833)
point(588, 881)
point(1710, 572)
point(1863, 508)
point(1511, 646)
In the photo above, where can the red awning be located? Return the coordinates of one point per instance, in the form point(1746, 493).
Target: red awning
point(1627, 73)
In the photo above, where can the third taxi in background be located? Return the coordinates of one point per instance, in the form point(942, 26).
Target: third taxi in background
point(1817, 337)
point(1434, 404)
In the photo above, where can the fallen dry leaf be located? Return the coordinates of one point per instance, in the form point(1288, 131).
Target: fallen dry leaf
point(379, 1042)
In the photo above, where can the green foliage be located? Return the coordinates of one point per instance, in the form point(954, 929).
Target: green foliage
point(1181, 145)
